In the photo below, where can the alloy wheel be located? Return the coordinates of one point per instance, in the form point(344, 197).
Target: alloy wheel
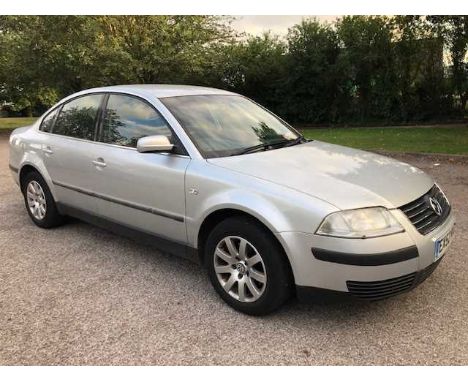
point(240, 269)
point(36, 200)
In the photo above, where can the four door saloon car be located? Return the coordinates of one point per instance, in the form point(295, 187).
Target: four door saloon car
point(212, 176)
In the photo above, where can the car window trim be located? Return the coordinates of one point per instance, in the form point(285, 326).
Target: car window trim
point(100, 117)
point(54, 110)
point(177, 142)
point(60, 107)
point(98, 127)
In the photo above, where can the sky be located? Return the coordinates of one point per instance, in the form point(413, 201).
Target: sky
point(256, 25)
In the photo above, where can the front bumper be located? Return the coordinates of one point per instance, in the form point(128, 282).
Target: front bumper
point(364, 266)
point(368, 290)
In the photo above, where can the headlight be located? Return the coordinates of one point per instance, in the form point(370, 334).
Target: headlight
point(360, 224)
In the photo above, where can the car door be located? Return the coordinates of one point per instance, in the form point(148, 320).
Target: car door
point(67, 150)
point(145, 191)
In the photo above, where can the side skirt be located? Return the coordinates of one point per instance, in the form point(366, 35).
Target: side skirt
point(163, 244)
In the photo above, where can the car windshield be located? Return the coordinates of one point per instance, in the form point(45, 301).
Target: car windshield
point(223, 125)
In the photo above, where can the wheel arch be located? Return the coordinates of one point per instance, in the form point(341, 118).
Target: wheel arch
point(25, 170)
point(28, 167)
point(217, 216)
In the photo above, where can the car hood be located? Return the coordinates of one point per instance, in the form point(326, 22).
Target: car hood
point(345, 177)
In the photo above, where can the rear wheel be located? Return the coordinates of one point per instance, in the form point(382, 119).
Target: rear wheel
point(247, 267)
point(39, 202)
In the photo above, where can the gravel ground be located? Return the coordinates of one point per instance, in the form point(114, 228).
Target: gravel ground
point(81, 295)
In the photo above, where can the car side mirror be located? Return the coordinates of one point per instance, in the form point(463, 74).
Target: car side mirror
point(154, 143)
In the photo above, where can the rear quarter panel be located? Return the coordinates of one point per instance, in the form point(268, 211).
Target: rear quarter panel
point(26, 149)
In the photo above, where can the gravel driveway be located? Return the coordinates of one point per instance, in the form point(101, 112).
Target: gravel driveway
point(81, 295)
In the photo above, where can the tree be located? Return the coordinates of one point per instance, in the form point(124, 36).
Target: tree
point(48, 57)
point(454, 31)
point(420, 69)
point(361, 69)
point(367, 54)
point(255, 68)
point(158, 49)
point(314, 91)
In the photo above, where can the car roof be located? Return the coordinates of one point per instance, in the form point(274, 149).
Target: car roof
point(161, 91)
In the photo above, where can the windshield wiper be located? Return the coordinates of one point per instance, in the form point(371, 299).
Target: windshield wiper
point(293, 142)
point(270, 146)
point(253, 149)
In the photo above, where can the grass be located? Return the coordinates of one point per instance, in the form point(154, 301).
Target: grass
point(441, 139)
point(13, 123)
point(445, 139)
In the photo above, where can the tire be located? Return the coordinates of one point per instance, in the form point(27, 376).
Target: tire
point(241, 285)
point(44, 213)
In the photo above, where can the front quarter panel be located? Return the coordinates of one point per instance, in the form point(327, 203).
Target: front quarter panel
point(211, 188)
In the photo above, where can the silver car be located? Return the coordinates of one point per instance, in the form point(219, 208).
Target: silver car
point(212, 176)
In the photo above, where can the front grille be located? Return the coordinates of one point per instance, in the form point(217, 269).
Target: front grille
point(421, 213)
point(378, 290)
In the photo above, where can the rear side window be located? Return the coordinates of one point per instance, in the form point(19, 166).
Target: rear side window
point(128, 119)
point(48, 122)
point(78, 117)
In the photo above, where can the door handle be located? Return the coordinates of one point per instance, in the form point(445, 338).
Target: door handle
point(99, 162)
point(47, 150)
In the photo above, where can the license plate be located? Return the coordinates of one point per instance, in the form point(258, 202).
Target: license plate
point(442, 244)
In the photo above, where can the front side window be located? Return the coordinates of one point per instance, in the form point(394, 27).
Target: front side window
point(128, 119)
point(48, 121)
point(222, 125)
point(78, 117)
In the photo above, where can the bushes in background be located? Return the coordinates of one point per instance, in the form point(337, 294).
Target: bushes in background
point(361, 69)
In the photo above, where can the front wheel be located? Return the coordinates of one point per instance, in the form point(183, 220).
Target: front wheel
point(247, 267)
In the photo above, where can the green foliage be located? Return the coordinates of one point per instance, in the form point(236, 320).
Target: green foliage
point(419, 70)
point(157, 49)
point(362, 69)
point(255, 68)
point(314, 85)
point(454, 31)
point(366, 53)
point(47, 57)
